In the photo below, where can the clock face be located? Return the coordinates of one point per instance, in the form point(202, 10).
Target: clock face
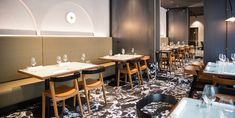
point(71, 17)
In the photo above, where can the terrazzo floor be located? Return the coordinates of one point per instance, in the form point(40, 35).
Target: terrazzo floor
point(121, 100)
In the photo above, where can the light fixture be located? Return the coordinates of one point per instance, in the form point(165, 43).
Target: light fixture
point(232, 18)
point(71, 17)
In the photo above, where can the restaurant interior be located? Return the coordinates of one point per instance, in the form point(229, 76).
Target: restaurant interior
point(117, 58)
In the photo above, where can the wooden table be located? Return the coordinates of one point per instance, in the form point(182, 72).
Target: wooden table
point(120, 58)
point(226, 69)
point(45, 72)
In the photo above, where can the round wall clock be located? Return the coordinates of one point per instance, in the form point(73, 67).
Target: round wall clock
point(71, 17)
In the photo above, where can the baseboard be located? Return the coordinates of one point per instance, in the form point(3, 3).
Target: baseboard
point(8, 109)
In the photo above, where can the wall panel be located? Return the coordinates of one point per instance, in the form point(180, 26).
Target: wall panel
point(133, 25)
point(178, 25)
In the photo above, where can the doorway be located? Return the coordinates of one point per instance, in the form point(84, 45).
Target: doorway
point(193, 37)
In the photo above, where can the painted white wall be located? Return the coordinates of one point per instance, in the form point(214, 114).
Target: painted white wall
point(49, 15)
point(198, 22)
point(163, 22)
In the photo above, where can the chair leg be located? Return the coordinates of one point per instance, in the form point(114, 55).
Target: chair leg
point(80, 103)
point(74, 101)
point(43, 105)
point(63, 105)
point(104, 94)
point(130, 80)
point(139, 78)
point(118, 79)
point(55, 109)
point(87, 101)
point(125, 78)
point(147, 72)
point(140, 72)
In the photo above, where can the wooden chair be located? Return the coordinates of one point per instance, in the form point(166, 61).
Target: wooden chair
point(61, 93)
point(191, 51)
point(129, 68)
point(224, 91)
point(164, 61)
point(91, 84)
point(144, 66)
point(202, 77)
point(181, 55)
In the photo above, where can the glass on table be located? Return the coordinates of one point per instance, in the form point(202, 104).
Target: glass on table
point(132, 51)
point(58, 59)
point(123, 51)
point(110, 52)
point(222, 57)
point(233, 57)
point(83, 58)
point(65, 58)
point(208, 94)
point(33, 61)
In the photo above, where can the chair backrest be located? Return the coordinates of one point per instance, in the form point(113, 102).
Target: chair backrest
point(97, 70)
point(190, 70)
point(94, 70)
point(70, 77)
point(153, 98)
point(65, 78)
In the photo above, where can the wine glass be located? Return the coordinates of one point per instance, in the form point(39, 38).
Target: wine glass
point(65, 58)
point(58, 59)
point(110, 52)
point(83, 58)
point(222, 57)
point(227, 107)
point(123, 51)
point(233, 57)
point(208, 94)
point(33, 61)
point(132, 51)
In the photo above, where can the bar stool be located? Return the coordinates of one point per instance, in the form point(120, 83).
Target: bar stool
point(90, 84)
point(127, 69)
point(144, 66)
point(62, 92)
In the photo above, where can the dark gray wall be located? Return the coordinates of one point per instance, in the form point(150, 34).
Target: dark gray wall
point(215, 30)
point(178, 24)
point(132, 25)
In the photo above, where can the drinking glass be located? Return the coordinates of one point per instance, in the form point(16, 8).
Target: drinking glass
point(132, 51)
point(83, 58)
point(233, 57)
point(110, 52)
point(208, 94)
point(33, 61)
point(58, 59)
point(226, 108)
point(222, 57)
point(65, 58)
point(123, 51)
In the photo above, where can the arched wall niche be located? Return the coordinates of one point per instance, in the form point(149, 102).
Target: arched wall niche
point(48, 17)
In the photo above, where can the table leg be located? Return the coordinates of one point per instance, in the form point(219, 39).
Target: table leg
point(47, 99)
point(116, 71)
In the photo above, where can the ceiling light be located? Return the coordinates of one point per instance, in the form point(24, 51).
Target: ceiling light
point(232, 18)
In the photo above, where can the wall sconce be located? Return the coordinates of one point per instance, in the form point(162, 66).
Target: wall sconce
point(232, 18)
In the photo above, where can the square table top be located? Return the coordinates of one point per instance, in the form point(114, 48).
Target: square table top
point(121, 58)
point(223, 69)
point(190, 108)
point(45, 72)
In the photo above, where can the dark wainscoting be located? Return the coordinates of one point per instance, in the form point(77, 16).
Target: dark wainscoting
point(132, 26)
